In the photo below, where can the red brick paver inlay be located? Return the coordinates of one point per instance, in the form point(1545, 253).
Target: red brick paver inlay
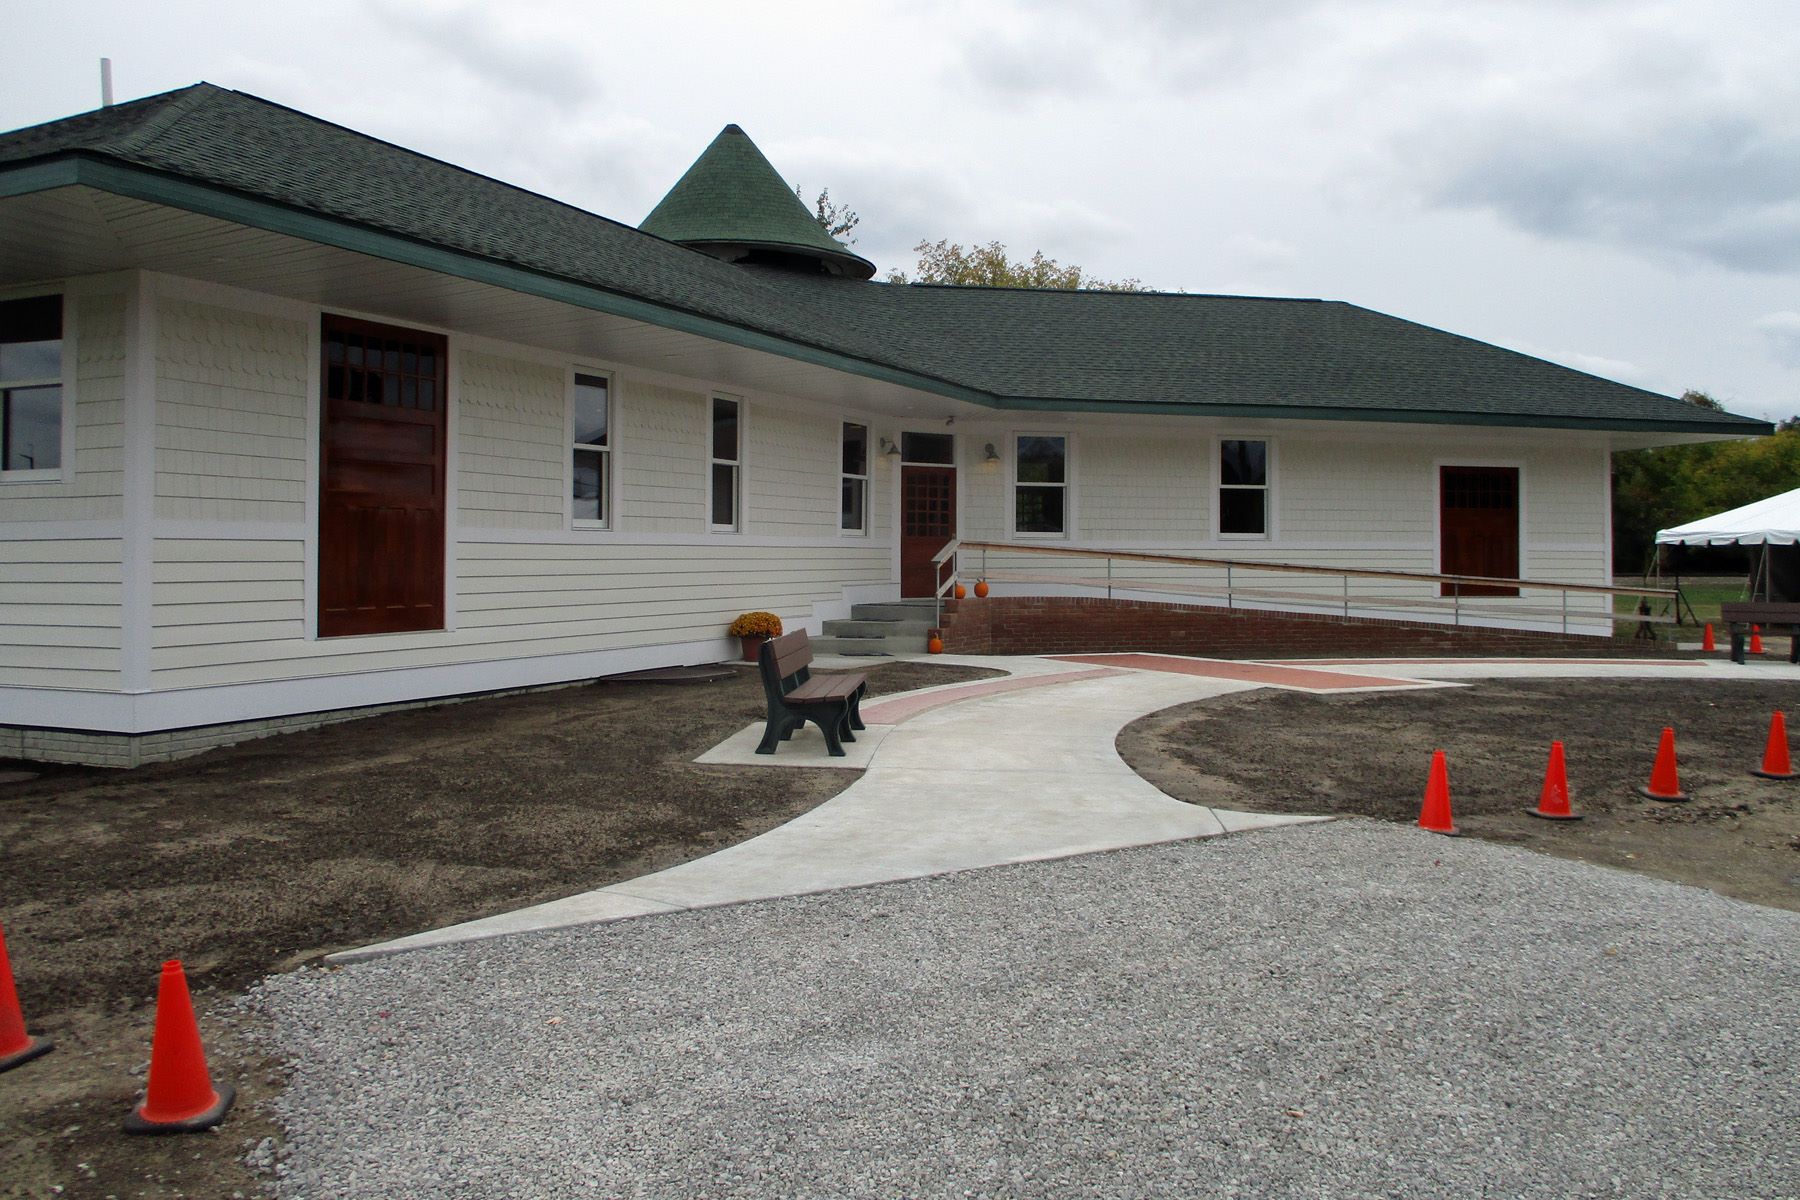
point(901, 708)
point(1248, 672)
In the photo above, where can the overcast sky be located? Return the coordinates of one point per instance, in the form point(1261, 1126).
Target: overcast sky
point(1615, 186)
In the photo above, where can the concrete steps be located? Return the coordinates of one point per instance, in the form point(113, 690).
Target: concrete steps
point(898, 627)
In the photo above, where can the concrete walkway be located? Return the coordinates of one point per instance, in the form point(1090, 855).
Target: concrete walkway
point(1000, 771)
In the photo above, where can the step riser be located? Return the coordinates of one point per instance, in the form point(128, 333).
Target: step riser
point(868, 645)
point(922, 610)
point(869, 628)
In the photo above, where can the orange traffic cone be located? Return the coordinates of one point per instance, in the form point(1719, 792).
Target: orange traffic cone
point(1706, 643)
point(1553, 802)
point(181, 1097)
point(1434, 815)
point(1776, 764)
point(1756, 639)
point(16, 1046)
point(1664, 783)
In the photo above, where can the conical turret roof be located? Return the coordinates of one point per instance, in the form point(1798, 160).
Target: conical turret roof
point(733, 204)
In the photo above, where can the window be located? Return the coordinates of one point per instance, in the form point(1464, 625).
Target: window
point(590, 426)
point(853, 513)
point(727, 461)
point(1244, 488)
point(1041, 484)
point(31, 407)
point(928, 449)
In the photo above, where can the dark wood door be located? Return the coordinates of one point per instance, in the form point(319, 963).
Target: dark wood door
point(381, 479)
point(1478, 526)
point(927, 521)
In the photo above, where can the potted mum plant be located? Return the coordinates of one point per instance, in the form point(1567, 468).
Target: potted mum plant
point(753, 629)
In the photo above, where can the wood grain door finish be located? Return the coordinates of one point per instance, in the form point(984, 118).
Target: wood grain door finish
point(381, 479)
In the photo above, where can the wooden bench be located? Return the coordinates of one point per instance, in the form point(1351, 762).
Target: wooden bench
point(831, 702)
point(1773, 615)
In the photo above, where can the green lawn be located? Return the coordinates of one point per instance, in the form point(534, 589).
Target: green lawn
point(1704, 593)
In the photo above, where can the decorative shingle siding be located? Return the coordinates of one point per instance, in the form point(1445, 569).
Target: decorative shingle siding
point(230, 414)
point(662, 459)
point(510, 443)
point(791, 480)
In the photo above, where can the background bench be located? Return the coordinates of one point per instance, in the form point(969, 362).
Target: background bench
point(831, 702)
point(1773, 615)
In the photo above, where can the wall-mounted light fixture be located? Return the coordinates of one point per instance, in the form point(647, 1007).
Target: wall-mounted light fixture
point(990, 456)
point(889, 449)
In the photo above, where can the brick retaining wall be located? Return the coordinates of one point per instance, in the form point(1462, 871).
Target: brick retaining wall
point(1086, 625)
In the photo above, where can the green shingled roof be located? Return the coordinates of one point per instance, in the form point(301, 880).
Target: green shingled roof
point(244, 159)
point(732, 197)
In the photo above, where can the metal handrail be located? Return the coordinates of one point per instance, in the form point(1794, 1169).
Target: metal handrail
point(1231, 592)
point(947, 554)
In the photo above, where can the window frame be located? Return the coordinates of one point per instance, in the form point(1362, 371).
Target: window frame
point(610, 475)
point(63, 381)
point(737, 464)
point(1266, 487)
point(845, 477)
point(1067, 485)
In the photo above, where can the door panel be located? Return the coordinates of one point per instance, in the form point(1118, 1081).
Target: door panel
point(381, 479)
point(1478, 527)
point(927, 522)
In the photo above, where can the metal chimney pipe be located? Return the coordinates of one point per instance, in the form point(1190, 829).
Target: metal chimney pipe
point(106, 83)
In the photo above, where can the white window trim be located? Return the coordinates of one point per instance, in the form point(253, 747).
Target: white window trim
point(610, 501)
point(867, 481)
point(1068, 484)
point(1217, 476)
point(743, 439)
point(64, 470)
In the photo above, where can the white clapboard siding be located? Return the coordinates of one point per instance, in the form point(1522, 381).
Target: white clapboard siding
point(59, 613)
point(510, 443)
point(662, 458)
point(513, 600)
point(791, 484)
point(230, 414)
point(93, 489)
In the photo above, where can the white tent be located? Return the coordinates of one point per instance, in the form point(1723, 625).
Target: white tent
point(1775, 521)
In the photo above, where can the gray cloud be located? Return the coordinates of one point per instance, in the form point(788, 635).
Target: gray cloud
point(534, 63)
point(1781, 333)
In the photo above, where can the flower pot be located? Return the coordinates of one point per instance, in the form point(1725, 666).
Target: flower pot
point(753, 646)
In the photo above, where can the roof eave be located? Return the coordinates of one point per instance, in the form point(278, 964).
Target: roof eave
point(88, 168)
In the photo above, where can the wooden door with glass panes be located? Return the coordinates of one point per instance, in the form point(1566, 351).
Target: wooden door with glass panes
point(381, 479)
point(927, 523)
point(1478, 523)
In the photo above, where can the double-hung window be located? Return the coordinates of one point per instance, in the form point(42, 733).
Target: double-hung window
point(1243, 488)
point(591, 436)
point(853, 511)
point(727, 463)
point(1040, 484)
point(31, 399)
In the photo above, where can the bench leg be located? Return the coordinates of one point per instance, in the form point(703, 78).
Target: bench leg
point(1737, 645)
point(779, 729)
point(1794, 649)
point(854, 709)
point(829, 727)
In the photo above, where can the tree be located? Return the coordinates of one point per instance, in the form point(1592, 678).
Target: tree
point(988, 266)
point(837, 220)
point(1671, 485)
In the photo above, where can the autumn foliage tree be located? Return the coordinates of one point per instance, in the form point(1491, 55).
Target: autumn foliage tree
point(947, 262)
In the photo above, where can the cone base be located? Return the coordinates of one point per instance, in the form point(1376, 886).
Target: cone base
point(34, 1047)
point(1776, 774)
point(1453, 831)
point(1676, 798)
point(1550, 816)
point(206, 1118)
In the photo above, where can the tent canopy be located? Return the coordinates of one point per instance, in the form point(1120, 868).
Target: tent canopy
point(1774, 521)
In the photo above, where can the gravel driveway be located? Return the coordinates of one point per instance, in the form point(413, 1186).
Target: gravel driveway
point(1338, 1010)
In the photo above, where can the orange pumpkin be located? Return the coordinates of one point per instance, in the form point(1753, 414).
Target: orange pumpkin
point(962, 592)
point(935, 645)
point(981, 587)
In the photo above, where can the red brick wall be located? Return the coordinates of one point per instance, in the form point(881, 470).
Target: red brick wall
point(1081, 625)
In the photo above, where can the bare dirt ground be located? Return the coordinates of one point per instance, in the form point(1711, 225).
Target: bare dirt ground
point(1369, 755)
point(255, 858)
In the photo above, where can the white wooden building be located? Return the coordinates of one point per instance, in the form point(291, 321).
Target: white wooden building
point(298, 422)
